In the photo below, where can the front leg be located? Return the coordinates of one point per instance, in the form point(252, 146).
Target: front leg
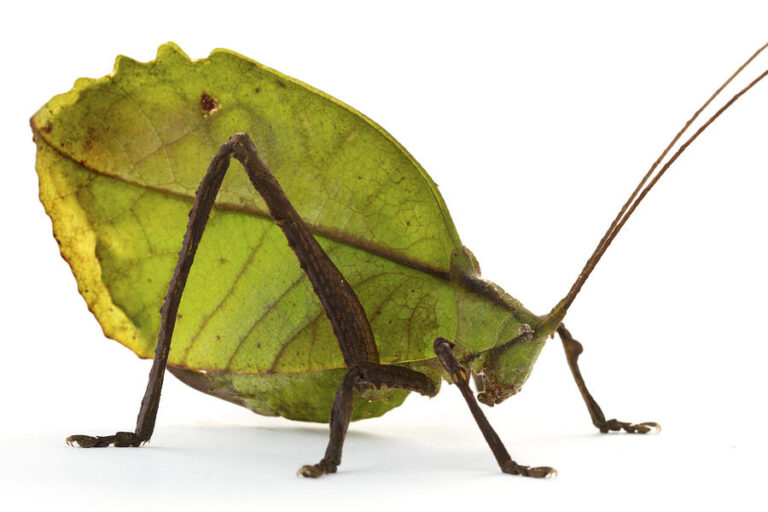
point(459, 376)
point(572, 351)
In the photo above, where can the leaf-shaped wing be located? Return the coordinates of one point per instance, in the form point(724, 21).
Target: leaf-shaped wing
point(120, 158)
point(129, 151)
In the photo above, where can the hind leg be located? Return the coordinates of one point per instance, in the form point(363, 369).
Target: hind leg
point(198, 217)
point(343, 309)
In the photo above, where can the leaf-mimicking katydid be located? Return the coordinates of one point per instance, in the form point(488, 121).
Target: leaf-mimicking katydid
point(372, 297)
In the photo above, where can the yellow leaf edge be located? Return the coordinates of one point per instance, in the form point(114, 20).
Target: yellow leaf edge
point(71, 227)
point(77, 245)
point(171, 51)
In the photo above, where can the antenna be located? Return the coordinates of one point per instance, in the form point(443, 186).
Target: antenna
point(642, 188)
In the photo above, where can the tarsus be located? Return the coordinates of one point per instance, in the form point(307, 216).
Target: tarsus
point(640, 192)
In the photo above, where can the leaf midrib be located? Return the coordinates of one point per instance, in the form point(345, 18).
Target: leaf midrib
point(330, 234)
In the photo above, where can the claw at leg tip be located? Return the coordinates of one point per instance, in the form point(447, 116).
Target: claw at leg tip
point(308, 471)
point(74, 440)
point(543, 472)
point(653, 425)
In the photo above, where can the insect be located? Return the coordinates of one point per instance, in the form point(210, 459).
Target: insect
point(372, 297)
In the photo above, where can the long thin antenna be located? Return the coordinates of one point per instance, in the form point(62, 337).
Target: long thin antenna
point(640, 191)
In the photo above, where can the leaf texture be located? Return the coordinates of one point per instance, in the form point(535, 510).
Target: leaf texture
point(119, 160)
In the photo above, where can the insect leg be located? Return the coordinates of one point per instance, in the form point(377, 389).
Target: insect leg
point(342, 307)
point(340, 418)
point(572, 351)
point(459, 375)
point(198, 217)
point(359, 376)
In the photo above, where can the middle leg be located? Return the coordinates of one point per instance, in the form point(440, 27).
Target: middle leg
point(362, 374)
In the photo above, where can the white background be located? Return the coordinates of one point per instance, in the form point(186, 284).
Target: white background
point(536, 122)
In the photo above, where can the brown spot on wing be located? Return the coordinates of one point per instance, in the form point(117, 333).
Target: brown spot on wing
point(208, 105)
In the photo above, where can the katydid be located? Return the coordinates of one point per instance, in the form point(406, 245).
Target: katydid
point(378, 298)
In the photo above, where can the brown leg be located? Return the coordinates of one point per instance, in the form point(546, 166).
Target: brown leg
point(198, 217)
point(572, 351)
point(460, 377)
point(340, 417)
point(360, 375)
point(339, 301)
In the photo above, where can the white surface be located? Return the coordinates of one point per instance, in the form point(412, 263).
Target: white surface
point(536, 122)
